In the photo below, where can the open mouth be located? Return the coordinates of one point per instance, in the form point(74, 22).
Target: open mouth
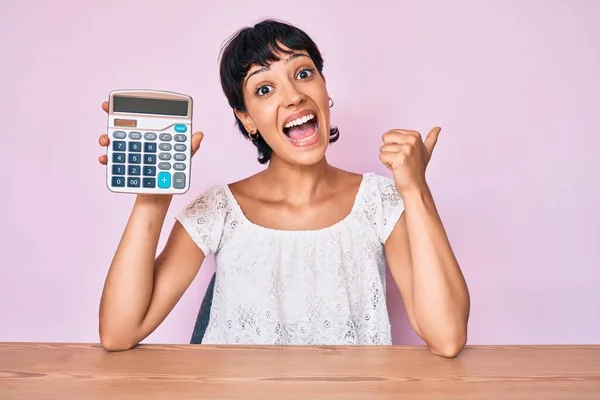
point(303, 129)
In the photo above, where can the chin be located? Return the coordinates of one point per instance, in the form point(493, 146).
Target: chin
point(307, 159)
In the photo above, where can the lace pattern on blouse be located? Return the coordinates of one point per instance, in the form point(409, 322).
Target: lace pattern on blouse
point(325, 286)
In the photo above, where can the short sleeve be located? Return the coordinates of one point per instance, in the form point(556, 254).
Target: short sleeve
point(204, 219)
point(388, 206)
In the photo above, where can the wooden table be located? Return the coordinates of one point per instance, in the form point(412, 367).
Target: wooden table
point(85, 371)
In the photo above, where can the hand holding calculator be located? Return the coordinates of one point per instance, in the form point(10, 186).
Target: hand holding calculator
point(149, 142)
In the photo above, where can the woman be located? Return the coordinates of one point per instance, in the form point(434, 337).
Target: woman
point(301, 247)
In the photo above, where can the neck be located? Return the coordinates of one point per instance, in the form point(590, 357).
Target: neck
point(294, 183)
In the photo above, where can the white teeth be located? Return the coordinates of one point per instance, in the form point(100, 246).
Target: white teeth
point(299, 121)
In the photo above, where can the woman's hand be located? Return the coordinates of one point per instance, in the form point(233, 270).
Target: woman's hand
point(407, 156)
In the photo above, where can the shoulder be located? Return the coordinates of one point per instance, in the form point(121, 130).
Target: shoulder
point(380, 204)
point(207, 217)
point(380, 187)
point(214, 198)
point(376, 180)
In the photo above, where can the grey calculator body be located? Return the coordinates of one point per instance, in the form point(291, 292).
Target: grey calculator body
point(150, 142)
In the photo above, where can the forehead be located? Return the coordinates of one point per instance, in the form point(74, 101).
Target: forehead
point(284, 55)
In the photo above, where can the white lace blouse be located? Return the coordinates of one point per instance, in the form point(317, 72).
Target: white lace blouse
point(284, 287)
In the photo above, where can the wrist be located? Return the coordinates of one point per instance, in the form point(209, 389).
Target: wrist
point(419, 201)
point(418, 192)
point(153, 201)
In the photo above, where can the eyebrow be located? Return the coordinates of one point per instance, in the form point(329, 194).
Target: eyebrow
point(286, 61)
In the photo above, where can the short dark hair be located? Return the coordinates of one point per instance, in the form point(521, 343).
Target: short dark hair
point(256, 45)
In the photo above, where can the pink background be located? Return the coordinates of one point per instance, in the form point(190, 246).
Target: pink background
point(514, 84)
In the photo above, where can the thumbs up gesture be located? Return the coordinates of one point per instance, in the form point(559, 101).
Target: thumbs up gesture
point(407, 155)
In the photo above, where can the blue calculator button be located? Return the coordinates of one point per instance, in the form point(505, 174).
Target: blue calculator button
point(150, 147)
point(134, 170)
point(118, 170)
point(119, 145)
point(149, 182)
point(133, 182)
point(118, 181)
point(135, 158)
point(149, 171)
point(149, 158)
point(164, 180)
point(118, 157)
point(135, 146)
point(180, 128)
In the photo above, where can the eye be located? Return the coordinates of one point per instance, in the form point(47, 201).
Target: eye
point(263, 90)
point(305, 73)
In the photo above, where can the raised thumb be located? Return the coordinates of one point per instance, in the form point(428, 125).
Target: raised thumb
point(431, 139)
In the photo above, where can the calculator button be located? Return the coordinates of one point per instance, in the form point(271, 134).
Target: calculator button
point(135, 135)
point(118, 169)
point(135, 146)
point(150, 136)
point(119, 145)
point(179, 166)
point(135, 158)
point(164, 156)
point(150, 147)
point(180, 147)
point(164, 180)
point(179, 180)
point(149, 158)
point(180, 138)
point(119, 135)
point(118, 157)
point(179, 157)
point(165, 146)
point(180, 128)
point(165, 137)
point(133, 182)
point(149, 182)
point(164, 165)
point(118, 181)
point(134, 170)
point(149, 171)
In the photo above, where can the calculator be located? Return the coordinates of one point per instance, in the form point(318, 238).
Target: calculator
point(150, 135)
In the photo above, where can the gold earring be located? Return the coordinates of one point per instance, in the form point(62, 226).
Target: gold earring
point(253, 138)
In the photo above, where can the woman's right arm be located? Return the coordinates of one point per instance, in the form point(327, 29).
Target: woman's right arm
point(140, 291)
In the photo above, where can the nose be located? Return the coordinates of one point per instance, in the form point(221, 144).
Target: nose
point(292, 97)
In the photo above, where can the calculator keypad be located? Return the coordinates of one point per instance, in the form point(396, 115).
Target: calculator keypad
point(149, 160)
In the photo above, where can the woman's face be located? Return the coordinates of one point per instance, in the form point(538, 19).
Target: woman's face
point(287, 102)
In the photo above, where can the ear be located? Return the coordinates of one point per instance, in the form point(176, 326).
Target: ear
point(246, 119)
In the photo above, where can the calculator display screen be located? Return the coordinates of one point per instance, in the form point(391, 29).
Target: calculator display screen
point(150, 106)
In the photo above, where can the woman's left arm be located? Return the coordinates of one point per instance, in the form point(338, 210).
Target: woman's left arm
point(428, 276)
point(419, 253)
